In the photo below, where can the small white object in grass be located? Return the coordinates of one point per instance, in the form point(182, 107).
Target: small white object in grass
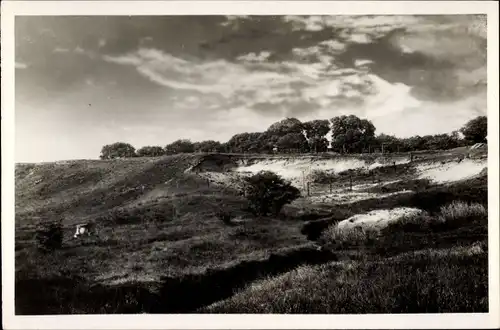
point(83, 229)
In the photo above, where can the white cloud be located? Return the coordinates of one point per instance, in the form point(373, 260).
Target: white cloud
point(253, 57)
point(20, 65)
point(361, 62)
point(360, 38)
point(102, 42)
point(220, 77)
point(61, 50)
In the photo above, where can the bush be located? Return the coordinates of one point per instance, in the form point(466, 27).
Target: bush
point(117, 150)
point(224, 216)
point(267, 193)
point(150, 151)
point(49, 237)
point(321, 176)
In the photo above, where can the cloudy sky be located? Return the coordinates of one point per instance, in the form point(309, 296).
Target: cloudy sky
point(82, 82)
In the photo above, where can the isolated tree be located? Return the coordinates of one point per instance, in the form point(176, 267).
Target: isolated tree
point(150, 151)
point(351, 134)
point(179, 146)
point(117, 150)
point(476, 130)
point(267, 193)
point(316, 131)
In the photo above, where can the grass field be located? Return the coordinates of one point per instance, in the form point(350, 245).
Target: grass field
point(160, 246)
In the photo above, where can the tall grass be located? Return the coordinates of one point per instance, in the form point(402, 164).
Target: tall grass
point(426, 283)
point(459, 212)
point(342, 237)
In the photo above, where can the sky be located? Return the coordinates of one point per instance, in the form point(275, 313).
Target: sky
point(83, 82)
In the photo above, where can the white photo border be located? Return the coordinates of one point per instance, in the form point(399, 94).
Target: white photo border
point(10, 9)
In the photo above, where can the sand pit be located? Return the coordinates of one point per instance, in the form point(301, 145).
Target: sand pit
point(452, 171)
point(296, 169)
point(378, 218)
point(347, 197)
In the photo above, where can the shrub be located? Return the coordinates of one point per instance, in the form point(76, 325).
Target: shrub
point(459, 212)
point(321, 176)
point(267, 193)
point(49, 237)
point(117, 150)
point(224, 216)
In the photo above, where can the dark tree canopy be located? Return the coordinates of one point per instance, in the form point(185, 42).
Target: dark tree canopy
point(351, 134)
point(292, 142)
point(244, 142)
point(316, 131)
point(179, 146)
point(285, 126)
point(476, 130)
point(150, 151)
point(117, 150)
point(267, 193)
point(207, 146)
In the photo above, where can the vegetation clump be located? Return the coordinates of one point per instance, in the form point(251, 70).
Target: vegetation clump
point(267, 193)
point(49, 237)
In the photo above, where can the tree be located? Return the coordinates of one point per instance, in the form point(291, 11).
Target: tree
point(352, 134)
point(316, 131)
point(285, 126)
point(207, 146)
point(117, 150)
point(413, 143)
point(179, 146)
point(267, 193)
point(150, 151)
point(476, 130)
point(292, 142)
point(390, 143)
point(244, 142)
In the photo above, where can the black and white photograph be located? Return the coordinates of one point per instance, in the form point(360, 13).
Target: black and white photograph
point(252, 164)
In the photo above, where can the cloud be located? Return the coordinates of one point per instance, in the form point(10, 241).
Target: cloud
point(20, 65)
point(229, 74)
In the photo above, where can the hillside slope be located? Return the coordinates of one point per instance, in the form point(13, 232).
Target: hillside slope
point(157, 220)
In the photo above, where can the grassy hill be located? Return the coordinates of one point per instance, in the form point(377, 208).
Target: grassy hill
point(159, 240)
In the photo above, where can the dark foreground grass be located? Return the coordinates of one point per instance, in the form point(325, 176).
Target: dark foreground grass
point(428, 282)
point(180, 294)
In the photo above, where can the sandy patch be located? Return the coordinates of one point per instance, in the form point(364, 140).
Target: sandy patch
point(378, 218)
point(346, 197)
point(452, 171)
point(389, 163)
point(297, 169)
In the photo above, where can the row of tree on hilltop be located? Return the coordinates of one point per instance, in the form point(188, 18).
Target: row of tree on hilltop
point(349, 134)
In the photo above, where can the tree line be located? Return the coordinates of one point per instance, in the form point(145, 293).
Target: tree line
point(349, 134)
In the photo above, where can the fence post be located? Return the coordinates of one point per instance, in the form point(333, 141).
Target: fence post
point(350, 182)
point(308, 189)
point(330, 186)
